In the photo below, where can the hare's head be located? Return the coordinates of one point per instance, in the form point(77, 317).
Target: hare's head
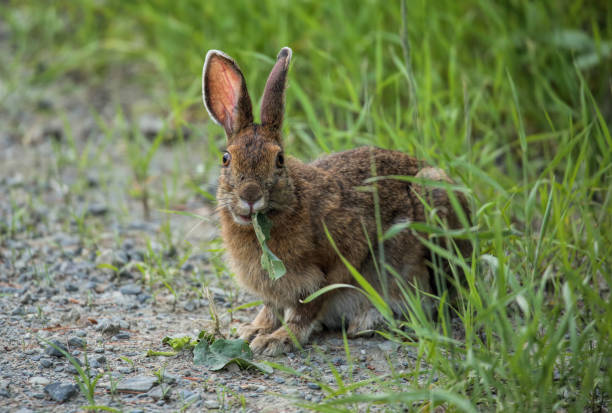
point(254, 177)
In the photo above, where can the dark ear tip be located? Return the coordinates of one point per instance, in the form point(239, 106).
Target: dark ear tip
point(285, 52)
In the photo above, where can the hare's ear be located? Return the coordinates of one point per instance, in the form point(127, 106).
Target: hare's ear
point(225, 92)
point(273, 101)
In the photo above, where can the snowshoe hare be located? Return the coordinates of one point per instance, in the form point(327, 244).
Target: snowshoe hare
point(301, 200)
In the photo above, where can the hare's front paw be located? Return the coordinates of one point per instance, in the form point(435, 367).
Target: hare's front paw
point(265, 322)
point(250, 330)
point(272, 344)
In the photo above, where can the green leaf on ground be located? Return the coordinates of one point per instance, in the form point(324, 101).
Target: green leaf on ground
point(269, 261)
point(179, 343)
point(154, 353)
point(222, 353)
point(206, 336)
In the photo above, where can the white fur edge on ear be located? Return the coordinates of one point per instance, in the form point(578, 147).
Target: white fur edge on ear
point(211, 53)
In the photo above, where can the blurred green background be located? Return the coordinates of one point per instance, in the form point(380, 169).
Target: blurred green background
point(513, 98)
point(353, 61)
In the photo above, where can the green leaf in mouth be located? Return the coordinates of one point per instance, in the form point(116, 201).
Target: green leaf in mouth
point(269, 262)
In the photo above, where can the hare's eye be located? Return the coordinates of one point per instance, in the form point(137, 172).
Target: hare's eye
point(280, 160)
point(226, 159)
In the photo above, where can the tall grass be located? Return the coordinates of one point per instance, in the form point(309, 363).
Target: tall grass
point(512, 98)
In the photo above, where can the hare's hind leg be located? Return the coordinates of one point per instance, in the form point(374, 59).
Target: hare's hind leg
point(352, 309)
point(365, 323)
point(265, 322)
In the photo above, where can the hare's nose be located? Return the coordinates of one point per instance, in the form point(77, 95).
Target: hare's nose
point(252, 207)
point(251, 198)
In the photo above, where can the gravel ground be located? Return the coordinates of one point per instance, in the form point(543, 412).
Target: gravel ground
point(80, 266)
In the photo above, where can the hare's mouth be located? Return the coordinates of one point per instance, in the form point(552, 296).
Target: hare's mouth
point(241, 219)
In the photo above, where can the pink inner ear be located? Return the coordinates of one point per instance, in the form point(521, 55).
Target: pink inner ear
point(224, 84)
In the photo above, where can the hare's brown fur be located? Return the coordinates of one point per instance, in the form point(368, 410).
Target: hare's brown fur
point(301, 200)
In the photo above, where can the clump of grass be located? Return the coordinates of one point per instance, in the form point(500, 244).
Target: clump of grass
point(86, 381)
point(140, 154)
point(532, 320)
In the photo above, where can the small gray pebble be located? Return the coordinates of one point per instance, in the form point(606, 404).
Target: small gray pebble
point(120, 258)
point(91, 285)
point(130, 289)
point(388, 346)
point(18, 311)
point(53, 351)
point(125, 370)
point(46, 363)
point(78, 361)
point(122, 336)
point(187, 267)
point(188, 396)
point(92, 181)
point(279, 380)
point(160, 393)
point(191, 305)
point(77, 342)
point(292, 391)
point(39, 381)
point(5, 391)
point(211, 404)
point(61, 392)
point(169, 378)
point(97, 209)
point(140, 384)
point(313, 386)
point(26, 299)
point(143, 297)
point(71, 369)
